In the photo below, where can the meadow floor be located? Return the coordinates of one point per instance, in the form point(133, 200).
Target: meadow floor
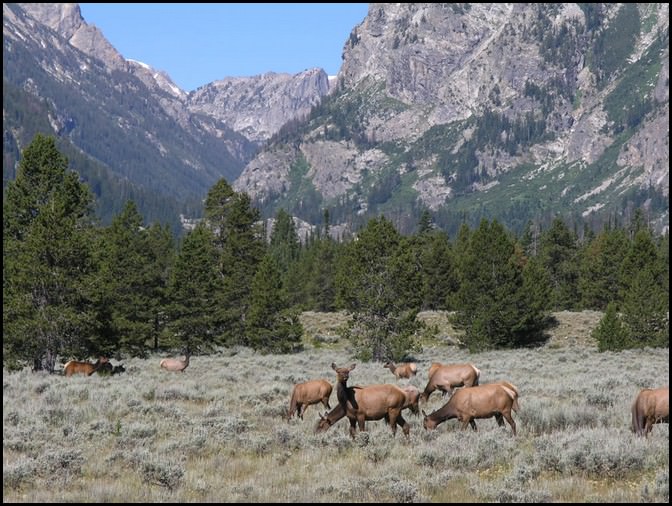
point(217, 432)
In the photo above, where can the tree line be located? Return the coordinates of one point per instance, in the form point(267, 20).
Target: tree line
point(73, 288)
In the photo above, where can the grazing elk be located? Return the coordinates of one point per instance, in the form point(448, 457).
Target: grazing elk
point(447, 377)
point(175, 364)
point(360, 404)
point(652, 405)
point(484, 401)
point(75, 367)
point(402, 370)
point(305, 394)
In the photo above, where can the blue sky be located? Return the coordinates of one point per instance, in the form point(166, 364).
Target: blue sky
point(200, 43)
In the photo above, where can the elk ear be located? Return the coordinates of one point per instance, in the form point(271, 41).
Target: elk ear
point(424, 414)
point(333, 366)
point(352, 367)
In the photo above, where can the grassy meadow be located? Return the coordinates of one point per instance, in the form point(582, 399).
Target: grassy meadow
point(217, 433)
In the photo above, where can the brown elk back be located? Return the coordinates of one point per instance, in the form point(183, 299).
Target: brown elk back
point(651, 406)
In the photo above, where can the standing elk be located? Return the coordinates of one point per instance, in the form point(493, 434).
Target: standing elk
point(305, 394)
point(484, 401)
point(652, 405)
point(360, 404)
point(402, 370)
point(110, 370)
point(75, 367)
point(447, 377)
point(175, 364)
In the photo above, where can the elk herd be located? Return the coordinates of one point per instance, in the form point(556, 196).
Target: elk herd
point(468, 398)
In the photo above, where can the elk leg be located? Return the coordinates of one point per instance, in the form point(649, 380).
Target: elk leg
point(361, 421)
point(500, 419)
point(353, 422)
point(472, 423)
point(392, 420)
point(405, 426)
point(512, 423)
point(300, 409)
point(325, 402)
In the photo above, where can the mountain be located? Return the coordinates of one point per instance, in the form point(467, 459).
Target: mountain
point(128, 129)
point(510, 111)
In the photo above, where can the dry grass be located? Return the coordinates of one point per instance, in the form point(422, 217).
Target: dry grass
point(216, 433)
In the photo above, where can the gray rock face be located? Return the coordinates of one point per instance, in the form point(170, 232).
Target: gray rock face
point(258, 106)
point(411, 68)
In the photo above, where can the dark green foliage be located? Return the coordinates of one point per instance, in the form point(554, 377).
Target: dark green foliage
point(559, 253)
point(611, 334)
point(134, 263)
point(271, 326)
point(46, 260)
point(374, 280)
point(645, 311)
point(195, 291)
point(495, 303)
point(601, 262)
point(240, 246)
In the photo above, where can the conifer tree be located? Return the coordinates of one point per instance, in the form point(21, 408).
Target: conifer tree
point(47, 238)
point(610, 333)
point(271, 326)
point(240, 246)
point(195, 290)
point(559, 255)
point(372, 278)
point(133, 273)
point(495, 305)
point(601, 262)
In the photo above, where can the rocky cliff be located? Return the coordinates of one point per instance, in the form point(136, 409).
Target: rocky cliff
point(493, 110)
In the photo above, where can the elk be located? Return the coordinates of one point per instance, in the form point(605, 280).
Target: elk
point(109, 369)
point(652, 405)
point(484, 401)
point(412, 399)
point(402, 370)
point(305, 394)
point(175, 364)
point(359, 404)
point(75, 367)
point(447, 377)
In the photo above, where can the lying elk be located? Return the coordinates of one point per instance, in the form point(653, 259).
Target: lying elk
point(650, 406)
point(75, 367)
point(447, 377)
point(305, 394)
point(402, 370)
point(175, 364)
point(484, 401)
point(109, 369)
point(360, 404)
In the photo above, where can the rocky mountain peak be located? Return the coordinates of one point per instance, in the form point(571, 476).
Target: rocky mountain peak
point(258, 106)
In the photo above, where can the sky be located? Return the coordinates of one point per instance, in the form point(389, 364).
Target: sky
point(196, 44)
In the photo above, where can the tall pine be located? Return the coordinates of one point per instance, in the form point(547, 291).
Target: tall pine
point(47, 238)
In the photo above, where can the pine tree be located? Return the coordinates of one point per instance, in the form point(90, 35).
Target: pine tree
point(600, 269)
point(559, 255)
point(240, 246)
point(133, 269)
point(47, 238)
point(195, 290)
point(645, 311)
point(372, 280)
point(495, 305)
point(271, 326)
point(610, 333)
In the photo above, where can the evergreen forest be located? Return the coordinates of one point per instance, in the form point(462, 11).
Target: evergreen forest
point(73, 288)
